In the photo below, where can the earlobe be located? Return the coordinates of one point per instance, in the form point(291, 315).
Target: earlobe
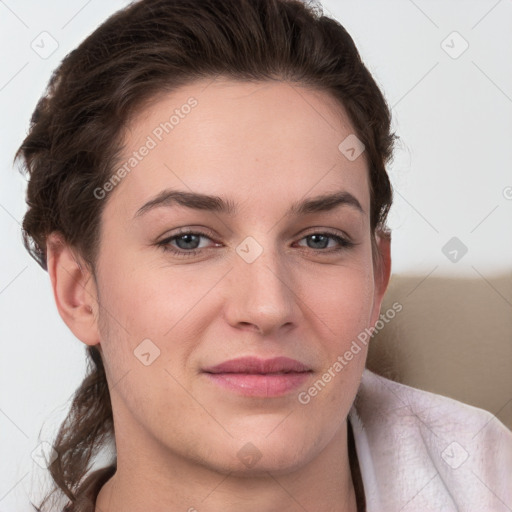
point(74, 289)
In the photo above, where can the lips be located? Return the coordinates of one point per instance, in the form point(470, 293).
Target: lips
point(253, 365)
point(255, 377)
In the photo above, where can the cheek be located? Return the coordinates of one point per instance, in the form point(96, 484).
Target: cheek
point(144, 327)
point(342, 299)
point(149, 300)
point(166, 306)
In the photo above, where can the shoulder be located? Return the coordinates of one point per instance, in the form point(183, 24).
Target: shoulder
point(429, 452)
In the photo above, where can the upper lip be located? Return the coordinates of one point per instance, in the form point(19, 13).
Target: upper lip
point(255, 365)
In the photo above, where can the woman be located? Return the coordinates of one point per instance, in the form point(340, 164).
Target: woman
point(208, 192)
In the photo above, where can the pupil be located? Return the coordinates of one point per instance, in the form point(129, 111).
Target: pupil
point(323, 245)
point(188, 239)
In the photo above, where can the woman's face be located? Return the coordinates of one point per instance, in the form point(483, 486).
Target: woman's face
point(264, 273)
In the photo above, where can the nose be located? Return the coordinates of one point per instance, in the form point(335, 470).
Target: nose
point(262, 294)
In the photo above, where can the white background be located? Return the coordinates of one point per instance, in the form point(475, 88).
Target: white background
point(450, 174)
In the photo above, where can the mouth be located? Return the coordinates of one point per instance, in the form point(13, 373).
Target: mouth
point(252, 376)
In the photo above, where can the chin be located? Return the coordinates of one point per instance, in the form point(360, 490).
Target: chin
point(259, 454)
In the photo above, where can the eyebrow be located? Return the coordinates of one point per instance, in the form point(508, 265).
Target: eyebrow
point(197, 201)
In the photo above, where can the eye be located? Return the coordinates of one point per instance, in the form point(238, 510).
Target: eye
point(188, 243)
point(188, 240)
point(320, 241)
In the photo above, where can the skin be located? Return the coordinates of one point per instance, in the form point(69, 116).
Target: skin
point(263, 146)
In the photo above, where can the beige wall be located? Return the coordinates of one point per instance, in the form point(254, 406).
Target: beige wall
point(453, 337)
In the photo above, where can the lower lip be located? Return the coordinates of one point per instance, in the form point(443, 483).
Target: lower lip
point(267, 385)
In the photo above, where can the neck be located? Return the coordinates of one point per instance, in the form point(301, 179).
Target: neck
point(154, 479)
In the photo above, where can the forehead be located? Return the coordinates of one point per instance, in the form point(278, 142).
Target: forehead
point(254, 142)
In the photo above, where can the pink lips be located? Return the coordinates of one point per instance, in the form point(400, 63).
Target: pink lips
point(259, 377)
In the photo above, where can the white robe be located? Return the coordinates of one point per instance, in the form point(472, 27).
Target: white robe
point(419, 451)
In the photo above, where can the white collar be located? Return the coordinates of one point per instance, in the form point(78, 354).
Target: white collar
point(419, 451)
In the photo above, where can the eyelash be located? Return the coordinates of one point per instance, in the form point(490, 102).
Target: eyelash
point(182, 253)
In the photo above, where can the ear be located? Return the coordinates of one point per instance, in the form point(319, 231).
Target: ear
point(74, 289)
point(381, 271)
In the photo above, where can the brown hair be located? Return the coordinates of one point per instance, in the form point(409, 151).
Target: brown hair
point(149, 47)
